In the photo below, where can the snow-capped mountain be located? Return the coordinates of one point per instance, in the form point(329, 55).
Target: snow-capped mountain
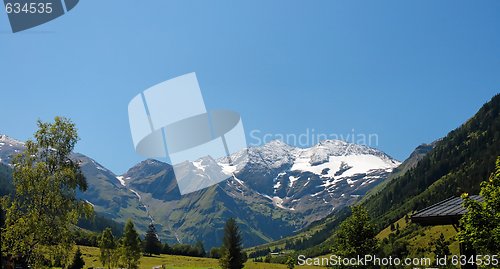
point(273, 185)
point(273, 189)
point(331, 172)
point(8, 148)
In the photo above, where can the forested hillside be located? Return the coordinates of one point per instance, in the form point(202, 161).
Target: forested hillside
point(457, 164)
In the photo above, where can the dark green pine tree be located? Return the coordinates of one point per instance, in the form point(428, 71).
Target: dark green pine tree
point(441, 250)
point(78, 261)
point(166, 249)
point(152, 244)
point(107, 246)
point(200, 249)
point(441, 247)
point(290, 262)
point(232, 256)
point(130, 246)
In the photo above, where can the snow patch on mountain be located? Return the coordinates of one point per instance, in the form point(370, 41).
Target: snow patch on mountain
point(9, 147)
point(88, 202)
point(277, 185)
point(199, 165)
point(360, 164)
point(136, 194)
point(99, 167)
point(238, 180)
point(146, 207)
point(122, 181)
point(227, 168)
point(332, 168)
point(292, 180)
point(278, 202)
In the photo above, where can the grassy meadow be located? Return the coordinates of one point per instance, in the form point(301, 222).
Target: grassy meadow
point(424, 236)
point(91, 257)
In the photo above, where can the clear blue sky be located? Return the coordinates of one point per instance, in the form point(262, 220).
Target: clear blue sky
point(409, 71)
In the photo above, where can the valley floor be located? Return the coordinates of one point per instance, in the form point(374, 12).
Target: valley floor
point(91, 257)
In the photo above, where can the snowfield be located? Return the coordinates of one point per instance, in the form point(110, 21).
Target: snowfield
point(360, 164)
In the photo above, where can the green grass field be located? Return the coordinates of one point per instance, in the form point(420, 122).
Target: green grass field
point(385, 232)
point(425, 236)
point(91, 257)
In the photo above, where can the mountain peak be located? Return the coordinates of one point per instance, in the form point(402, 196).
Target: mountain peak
point(8, 148)
point(333, 141)
point(9, 140)
point(147, 167)
point(152, 162)
point(276, 144)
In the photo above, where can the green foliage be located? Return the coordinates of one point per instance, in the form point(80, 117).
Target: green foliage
point(200, 248)
point(44, 208)
point(166, 249)
point(317, 242)
point(481, 224)
point(86, 238)
point(6, 187)
point(417, 241)
point(441, 246)
point(259, 252)
point(232, 255)
point(130, 247)
point(398, 248)
point(290, 262)
point(77, 262)
point(98, 222)
point(215, 253)
point(187, 250)
point(152, 244)
point(268, 258)
point(356, 235)
point(107, 246)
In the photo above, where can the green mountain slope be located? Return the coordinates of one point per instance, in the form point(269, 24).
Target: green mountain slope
point(457, 164)
point(109, 198)
point(410, 163)
point(201, 215)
